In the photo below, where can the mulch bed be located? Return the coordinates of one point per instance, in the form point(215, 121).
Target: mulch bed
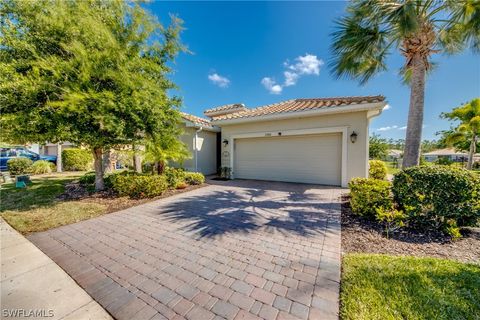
point(362, 235)
point(74, 191)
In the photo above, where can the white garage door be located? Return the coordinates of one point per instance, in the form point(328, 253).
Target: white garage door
point(307, 158)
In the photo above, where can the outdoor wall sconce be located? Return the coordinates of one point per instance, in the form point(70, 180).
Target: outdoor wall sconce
point(225, 143)
point(353, 137)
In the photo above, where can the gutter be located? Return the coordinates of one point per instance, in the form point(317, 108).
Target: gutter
point(377, 106)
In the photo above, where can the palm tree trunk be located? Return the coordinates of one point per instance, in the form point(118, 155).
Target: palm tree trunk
point(137, 159)
point(59, 158)
point(471, 153)
point(98, 163)
point(415, 113)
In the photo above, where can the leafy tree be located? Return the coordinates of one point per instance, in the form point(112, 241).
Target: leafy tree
point(378, 147)
point(429, 145)
point(88, 71)
point(468, 131)
point(372, 28)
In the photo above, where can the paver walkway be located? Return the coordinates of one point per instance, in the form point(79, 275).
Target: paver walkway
point(242, 249)
point(34, 287)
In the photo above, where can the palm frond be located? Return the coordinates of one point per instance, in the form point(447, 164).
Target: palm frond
point(359, 49)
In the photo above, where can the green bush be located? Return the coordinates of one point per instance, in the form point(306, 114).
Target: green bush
point(19, 165)
point(87, 179)
point(194, 178)
point(444, 161)
point(377, 169)
point(438, 196)
point(77, 159)
point(41, 167)
point(174, 176)
point(368, 195)
point(138, 185)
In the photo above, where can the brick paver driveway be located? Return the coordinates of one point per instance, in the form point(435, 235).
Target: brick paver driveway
point(242, 250)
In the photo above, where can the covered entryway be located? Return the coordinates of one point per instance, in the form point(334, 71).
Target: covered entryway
point(312, 158)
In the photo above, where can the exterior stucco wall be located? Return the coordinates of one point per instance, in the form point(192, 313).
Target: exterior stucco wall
point(206, 151)
point(357, 153)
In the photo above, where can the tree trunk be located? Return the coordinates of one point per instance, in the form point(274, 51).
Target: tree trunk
point(471, 153)
point(107, 161)
point(98, 163)
point(59, 158)
point(137, 159)
point(160, 167)
point(411, 155)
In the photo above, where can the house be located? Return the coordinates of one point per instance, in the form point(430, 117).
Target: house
point(202, 139)
point(447, 153)
point(317, 140)
point(394, 154)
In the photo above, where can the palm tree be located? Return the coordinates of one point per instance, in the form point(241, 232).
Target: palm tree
point(417, 28)
point(468, 129)
point(162, 150)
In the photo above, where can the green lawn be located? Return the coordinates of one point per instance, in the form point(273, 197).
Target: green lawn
point(389, 287)
point(391, 169)
point(36, 208)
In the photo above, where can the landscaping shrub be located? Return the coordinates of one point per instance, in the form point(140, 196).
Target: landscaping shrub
point(41, 167)
point(87, 179)
point(19, 165)
point(368, 195)
point(377, 169)
point(77, 159)
point(194, 178)
point(174, 176)
point(138, 185)
point(444, 161)
point(438, 196)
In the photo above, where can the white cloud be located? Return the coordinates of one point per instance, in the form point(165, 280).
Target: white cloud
point(307, 64)
point(387, 128)
point(290, 78)
point(304, 65)
point(387, 107)
point(403, 128)
point(219, 80)
point(271, 85)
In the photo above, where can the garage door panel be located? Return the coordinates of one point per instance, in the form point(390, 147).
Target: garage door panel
point(308, 158)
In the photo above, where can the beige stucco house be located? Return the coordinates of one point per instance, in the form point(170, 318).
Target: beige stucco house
point(318, 140)
point(202, 140)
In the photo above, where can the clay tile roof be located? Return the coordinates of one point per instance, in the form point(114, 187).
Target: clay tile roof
point(296, 105)
point(196, 120)
point(222, 110)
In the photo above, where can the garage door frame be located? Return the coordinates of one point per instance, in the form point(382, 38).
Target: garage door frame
point(342, 130)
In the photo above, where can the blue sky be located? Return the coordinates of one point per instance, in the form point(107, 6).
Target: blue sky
point(241, 51)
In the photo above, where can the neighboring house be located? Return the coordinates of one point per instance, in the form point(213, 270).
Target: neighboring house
point(447, 153)
point(318, 140)
point(202, 140)
point(393, 155)
point(48, 149)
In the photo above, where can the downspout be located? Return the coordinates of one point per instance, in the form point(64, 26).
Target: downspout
point(196, 149)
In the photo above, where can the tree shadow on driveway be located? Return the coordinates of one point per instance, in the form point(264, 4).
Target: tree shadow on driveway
point(248, 210)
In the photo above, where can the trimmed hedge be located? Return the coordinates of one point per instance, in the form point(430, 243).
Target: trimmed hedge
point(174, 176)
point(377, 169)
point(194, 178)
point(18, 166)
point(438, 196)
point(41, 167)
point(87, 179)
point(368, 195)
point(74, 159)
point(138, 185)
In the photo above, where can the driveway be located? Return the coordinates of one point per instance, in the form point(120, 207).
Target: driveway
point(235, 250)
